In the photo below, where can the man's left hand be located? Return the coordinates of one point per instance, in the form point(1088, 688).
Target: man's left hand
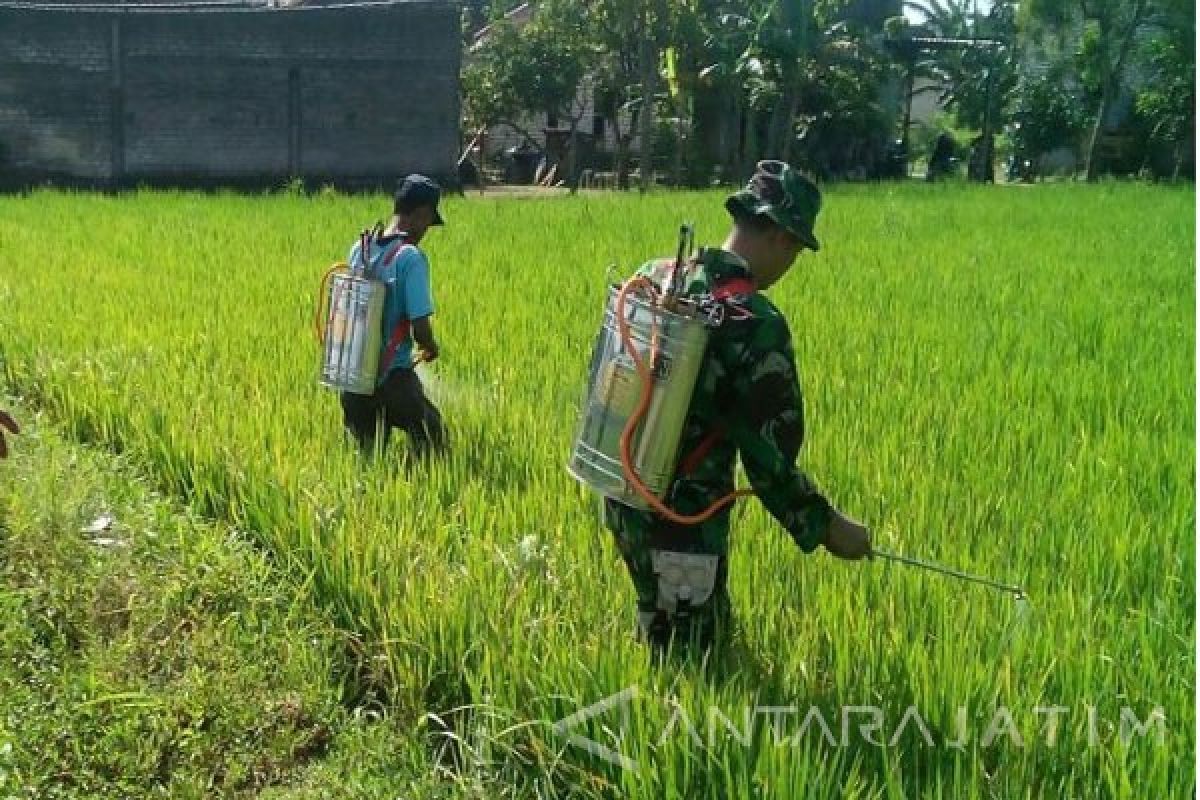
point(847, 538)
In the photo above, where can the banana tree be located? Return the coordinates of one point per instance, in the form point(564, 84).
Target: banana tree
point(760, 52)
point(732, 66)
point(631, 34)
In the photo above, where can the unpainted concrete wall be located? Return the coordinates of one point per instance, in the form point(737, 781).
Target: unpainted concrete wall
point(355, 94)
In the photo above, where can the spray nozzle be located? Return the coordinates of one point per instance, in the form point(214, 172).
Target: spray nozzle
point(676, 281)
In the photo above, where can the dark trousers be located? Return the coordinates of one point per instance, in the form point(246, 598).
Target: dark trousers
point(399, 403)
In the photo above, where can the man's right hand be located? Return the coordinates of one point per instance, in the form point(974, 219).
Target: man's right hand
point(427, 353)
point(6, 421)
point(847, 538)
point(422, 333)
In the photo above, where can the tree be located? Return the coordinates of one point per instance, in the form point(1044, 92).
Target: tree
point(536, 69)
point(771, 42)
point(845, 127)
point(557, 53)
point(985, 93)
point(780, 57)
point(975, 71)
point(492, 80)
point(684, 62)
point(1168, 99)
point(1046, 115)
point(631, 35)
point(1109, 29)
point(784, 43)
point(733, 67)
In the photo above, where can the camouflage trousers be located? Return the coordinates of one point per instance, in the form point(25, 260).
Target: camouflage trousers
point(650, 546)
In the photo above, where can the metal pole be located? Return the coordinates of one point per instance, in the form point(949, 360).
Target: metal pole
point(1017, 590)
point(116, 101)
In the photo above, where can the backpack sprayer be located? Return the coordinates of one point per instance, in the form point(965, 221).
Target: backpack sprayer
point(349, 321)
point(643, 373)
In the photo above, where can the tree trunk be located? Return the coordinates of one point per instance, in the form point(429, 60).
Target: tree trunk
point(908, 98)
point(483, 145)
point(573, 156)
point(731, 135)
point(682, 128)
point(649, 75)
point(1106, 98)
point(750, 148)
point(677, 159)
point(621, 159)
point(1182, 147)
point(789, 132)
point(1112, 84)
point(781, 127)
point(620, 144)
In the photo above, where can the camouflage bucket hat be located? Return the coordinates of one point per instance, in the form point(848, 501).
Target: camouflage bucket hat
point(788, 198)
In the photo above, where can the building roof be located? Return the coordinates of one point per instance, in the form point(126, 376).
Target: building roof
point(519, 17)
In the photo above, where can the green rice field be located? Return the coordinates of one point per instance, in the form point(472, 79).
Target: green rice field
point(1000, 380)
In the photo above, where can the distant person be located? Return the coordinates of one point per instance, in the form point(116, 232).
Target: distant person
point(980, 168)
point(747, 403)
point(6, 421)
point(942, 159)
point(399, 400)
point(896, 160)
point(469, 173)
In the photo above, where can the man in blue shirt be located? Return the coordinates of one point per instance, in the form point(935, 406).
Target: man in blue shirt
point(399, 400)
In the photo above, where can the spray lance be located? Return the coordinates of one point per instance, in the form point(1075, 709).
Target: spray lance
point(1019, 596)
point(1017, 592)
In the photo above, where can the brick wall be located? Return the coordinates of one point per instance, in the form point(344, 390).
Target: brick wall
point(356, 94)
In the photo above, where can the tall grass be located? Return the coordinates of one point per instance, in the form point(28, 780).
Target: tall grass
point(997, 379)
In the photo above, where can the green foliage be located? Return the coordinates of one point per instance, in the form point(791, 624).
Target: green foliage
point(763, 46)
point(147, 653)
point(924, 136)
point(555, 58)
point(770, 64)
point(1092, 57)
point(490, 83)
point(1168, 97)
point(535, 69)
point(897, 27)
point(1108, 29)
point(1046, 116)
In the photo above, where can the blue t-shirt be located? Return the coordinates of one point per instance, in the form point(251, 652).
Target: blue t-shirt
point(409, 295)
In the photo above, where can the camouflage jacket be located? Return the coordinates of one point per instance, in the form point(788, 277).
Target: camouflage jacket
point(747, 401)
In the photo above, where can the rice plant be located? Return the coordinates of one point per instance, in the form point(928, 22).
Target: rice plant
point(1001, 380)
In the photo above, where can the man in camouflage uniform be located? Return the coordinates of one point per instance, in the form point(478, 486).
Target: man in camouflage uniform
point(746, 402)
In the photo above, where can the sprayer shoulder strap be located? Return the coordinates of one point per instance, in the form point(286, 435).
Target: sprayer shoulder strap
point(722, 291)
point(402, 329)
point(731, 287)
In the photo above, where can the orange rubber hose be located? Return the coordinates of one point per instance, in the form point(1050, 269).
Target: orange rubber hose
point(321, 319)
point(643, 406)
